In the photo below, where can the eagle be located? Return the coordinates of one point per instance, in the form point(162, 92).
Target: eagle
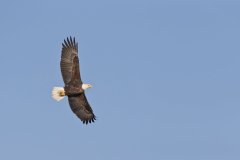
point(74, 88)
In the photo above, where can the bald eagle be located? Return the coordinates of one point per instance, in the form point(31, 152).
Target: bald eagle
point(74, 87)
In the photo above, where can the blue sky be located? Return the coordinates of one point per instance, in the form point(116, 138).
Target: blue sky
point(165, 76)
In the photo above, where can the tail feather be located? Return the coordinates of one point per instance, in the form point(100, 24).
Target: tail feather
point(58, 93)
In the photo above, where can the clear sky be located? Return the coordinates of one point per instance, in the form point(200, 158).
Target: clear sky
point(166, 77)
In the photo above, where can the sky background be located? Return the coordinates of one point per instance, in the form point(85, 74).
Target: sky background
point(165, 76)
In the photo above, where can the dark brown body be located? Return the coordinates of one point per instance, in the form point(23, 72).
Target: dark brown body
point(73, 83)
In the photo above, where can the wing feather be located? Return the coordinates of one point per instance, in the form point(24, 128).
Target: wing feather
point(80, 106)
point(69, 61)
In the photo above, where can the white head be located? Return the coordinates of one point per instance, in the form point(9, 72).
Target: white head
point(86, 86)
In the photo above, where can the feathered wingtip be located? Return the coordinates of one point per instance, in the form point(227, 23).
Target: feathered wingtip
point(58, 93)
point(89, 120)
point(70, 43)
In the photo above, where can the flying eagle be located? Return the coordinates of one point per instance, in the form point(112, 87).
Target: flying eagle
point(74, 87)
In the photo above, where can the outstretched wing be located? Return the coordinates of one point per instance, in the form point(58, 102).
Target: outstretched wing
point(81, 108)
point(69, 61)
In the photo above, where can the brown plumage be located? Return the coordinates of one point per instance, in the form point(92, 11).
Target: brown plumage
point(73, 84)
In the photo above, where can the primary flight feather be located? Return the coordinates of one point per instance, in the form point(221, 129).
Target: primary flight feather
point(74, 87)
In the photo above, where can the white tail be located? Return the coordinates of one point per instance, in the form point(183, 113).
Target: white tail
point(58, 93)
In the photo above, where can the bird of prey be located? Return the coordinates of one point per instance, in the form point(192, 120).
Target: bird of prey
point(74, 87)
